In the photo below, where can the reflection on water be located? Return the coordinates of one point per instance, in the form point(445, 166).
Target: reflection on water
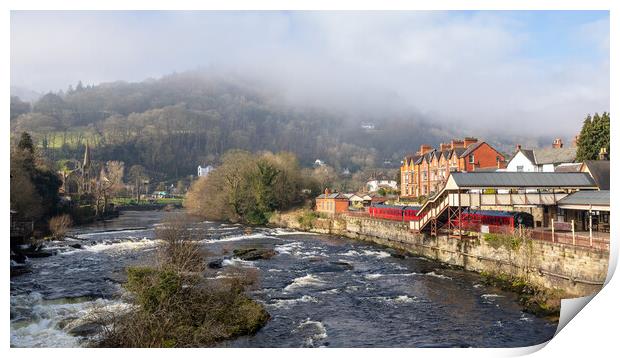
point(319, 290)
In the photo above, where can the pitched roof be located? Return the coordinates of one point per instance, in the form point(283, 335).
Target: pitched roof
point(568, 168)
point(529, 154)
point(332, 196)
point(470, 149)
point(522, 180)
point(458, 152)
point(412, 157)
point(599, 169)
point(587, 197)
point(555, 155)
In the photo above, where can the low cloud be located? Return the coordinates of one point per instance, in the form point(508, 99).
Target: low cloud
point(486, 69)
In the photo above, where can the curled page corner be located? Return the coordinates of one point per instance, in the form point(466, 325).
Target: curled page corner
point(569, 308)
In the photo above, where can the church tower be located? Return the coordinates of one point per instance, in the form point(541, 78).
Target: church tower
point(86, 166)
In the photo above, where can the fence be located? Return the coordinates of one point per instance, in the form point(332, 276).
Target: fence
point(561, 233)
point(598, 240)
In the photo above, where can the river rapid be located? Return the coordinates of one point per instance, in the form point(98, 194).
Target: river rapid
point(321, 291)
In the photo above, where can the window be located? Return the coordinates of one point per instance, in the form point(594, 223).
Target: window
point(471, 159)
point(519, 168)
point(561, 214)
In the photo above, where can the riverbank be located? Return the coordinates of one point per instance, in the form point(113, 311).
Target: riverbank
point(319, 290)
point(541, 273)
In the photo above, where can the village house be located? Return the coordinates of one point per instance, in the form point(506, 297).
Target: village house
point(204, 171)
point(332, 203)
point(380, 180)
point(542, 159)
point(425, 173)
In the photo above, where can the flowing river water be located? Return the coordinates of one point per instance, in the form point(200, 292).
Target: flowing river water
point(321, 291)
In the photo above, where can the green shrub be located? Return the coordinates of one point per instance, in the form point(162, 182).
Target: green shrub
point(307, 218)
point(175, 306)
point(510, 242)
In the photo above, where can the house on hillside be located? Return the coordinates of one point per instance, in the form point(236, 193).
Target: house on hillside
point(542, 159)
point(318, 163)
point(378, 181)
point(204, 171)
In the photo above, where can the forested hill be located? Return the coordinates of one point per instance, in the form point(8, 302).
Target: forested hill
point(171, 125)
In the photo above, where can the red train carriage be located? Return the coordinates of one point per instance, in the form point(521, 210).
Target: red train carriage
point(471, 219)
point(394, 212)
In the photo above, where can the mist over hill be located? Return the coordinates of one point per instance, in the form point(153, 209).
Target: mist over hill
point(171, 125)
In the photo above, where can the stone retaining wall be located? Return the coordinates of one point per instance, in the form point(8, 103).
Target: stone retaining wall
point(578, 271)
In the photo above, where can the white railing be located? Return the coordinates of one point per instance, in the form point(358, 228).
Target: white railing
point(429, 214)
point(479, 199)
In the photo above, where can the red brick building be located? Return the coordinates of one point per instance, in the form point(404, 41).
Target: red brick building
point(425, 172)
point(332, 203)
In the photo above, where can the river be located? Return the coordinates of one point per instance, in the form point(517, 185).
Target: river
point(321, 291)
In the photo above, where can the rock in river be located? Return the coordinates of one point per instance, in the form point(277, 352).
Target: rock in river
point(252, 254)
point(215, 264)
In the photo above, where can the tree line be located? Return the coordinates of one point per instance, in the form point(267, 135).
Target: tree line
point(173, 124)
point(248, 187)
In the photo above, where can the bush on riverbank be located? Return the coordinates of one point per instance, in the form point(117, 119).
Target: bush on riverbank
point(249, 187)
point(59, 225)
point(175, 306)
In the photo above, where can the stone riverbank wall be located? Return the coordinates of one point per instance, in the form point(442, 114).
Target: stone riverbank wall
point(578, 271)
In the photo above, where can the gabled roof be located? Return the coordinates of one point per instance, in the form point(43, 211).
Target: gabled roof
point(470, 149)
point(520, 180)
point(355, 197)
point(587, 197)
point(529, 154)
point(599, 169)
point(568, 168)
point(555, 155)
point(332, 196)
point(412, 157)
point(457, 151)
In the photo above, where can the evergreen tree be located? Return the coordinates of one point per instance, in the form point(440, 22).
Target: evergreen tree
point(594, 136)
point(25, 143)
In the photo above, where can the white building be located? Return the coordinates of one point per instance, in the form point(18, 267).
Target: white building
point(377, 182)
point(543, 159)
point(204, 171)
point(318, 163)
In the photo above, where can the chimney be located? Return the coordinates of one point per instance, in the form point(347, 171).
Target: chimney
point(518, 147)
point(425, 148)
point(469, 141)
point(602, 154)
point(327, 192)
point(444, 146)
point(455, 143)
point(575, 140)
point(557, 143)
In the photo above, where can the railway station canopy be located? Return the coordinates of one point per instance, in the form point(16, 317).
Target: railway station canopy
point(519, 180)
point(586, 200)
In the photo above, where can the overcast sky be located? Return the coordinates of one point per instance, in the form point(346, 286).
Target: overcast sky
point(506, 69)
